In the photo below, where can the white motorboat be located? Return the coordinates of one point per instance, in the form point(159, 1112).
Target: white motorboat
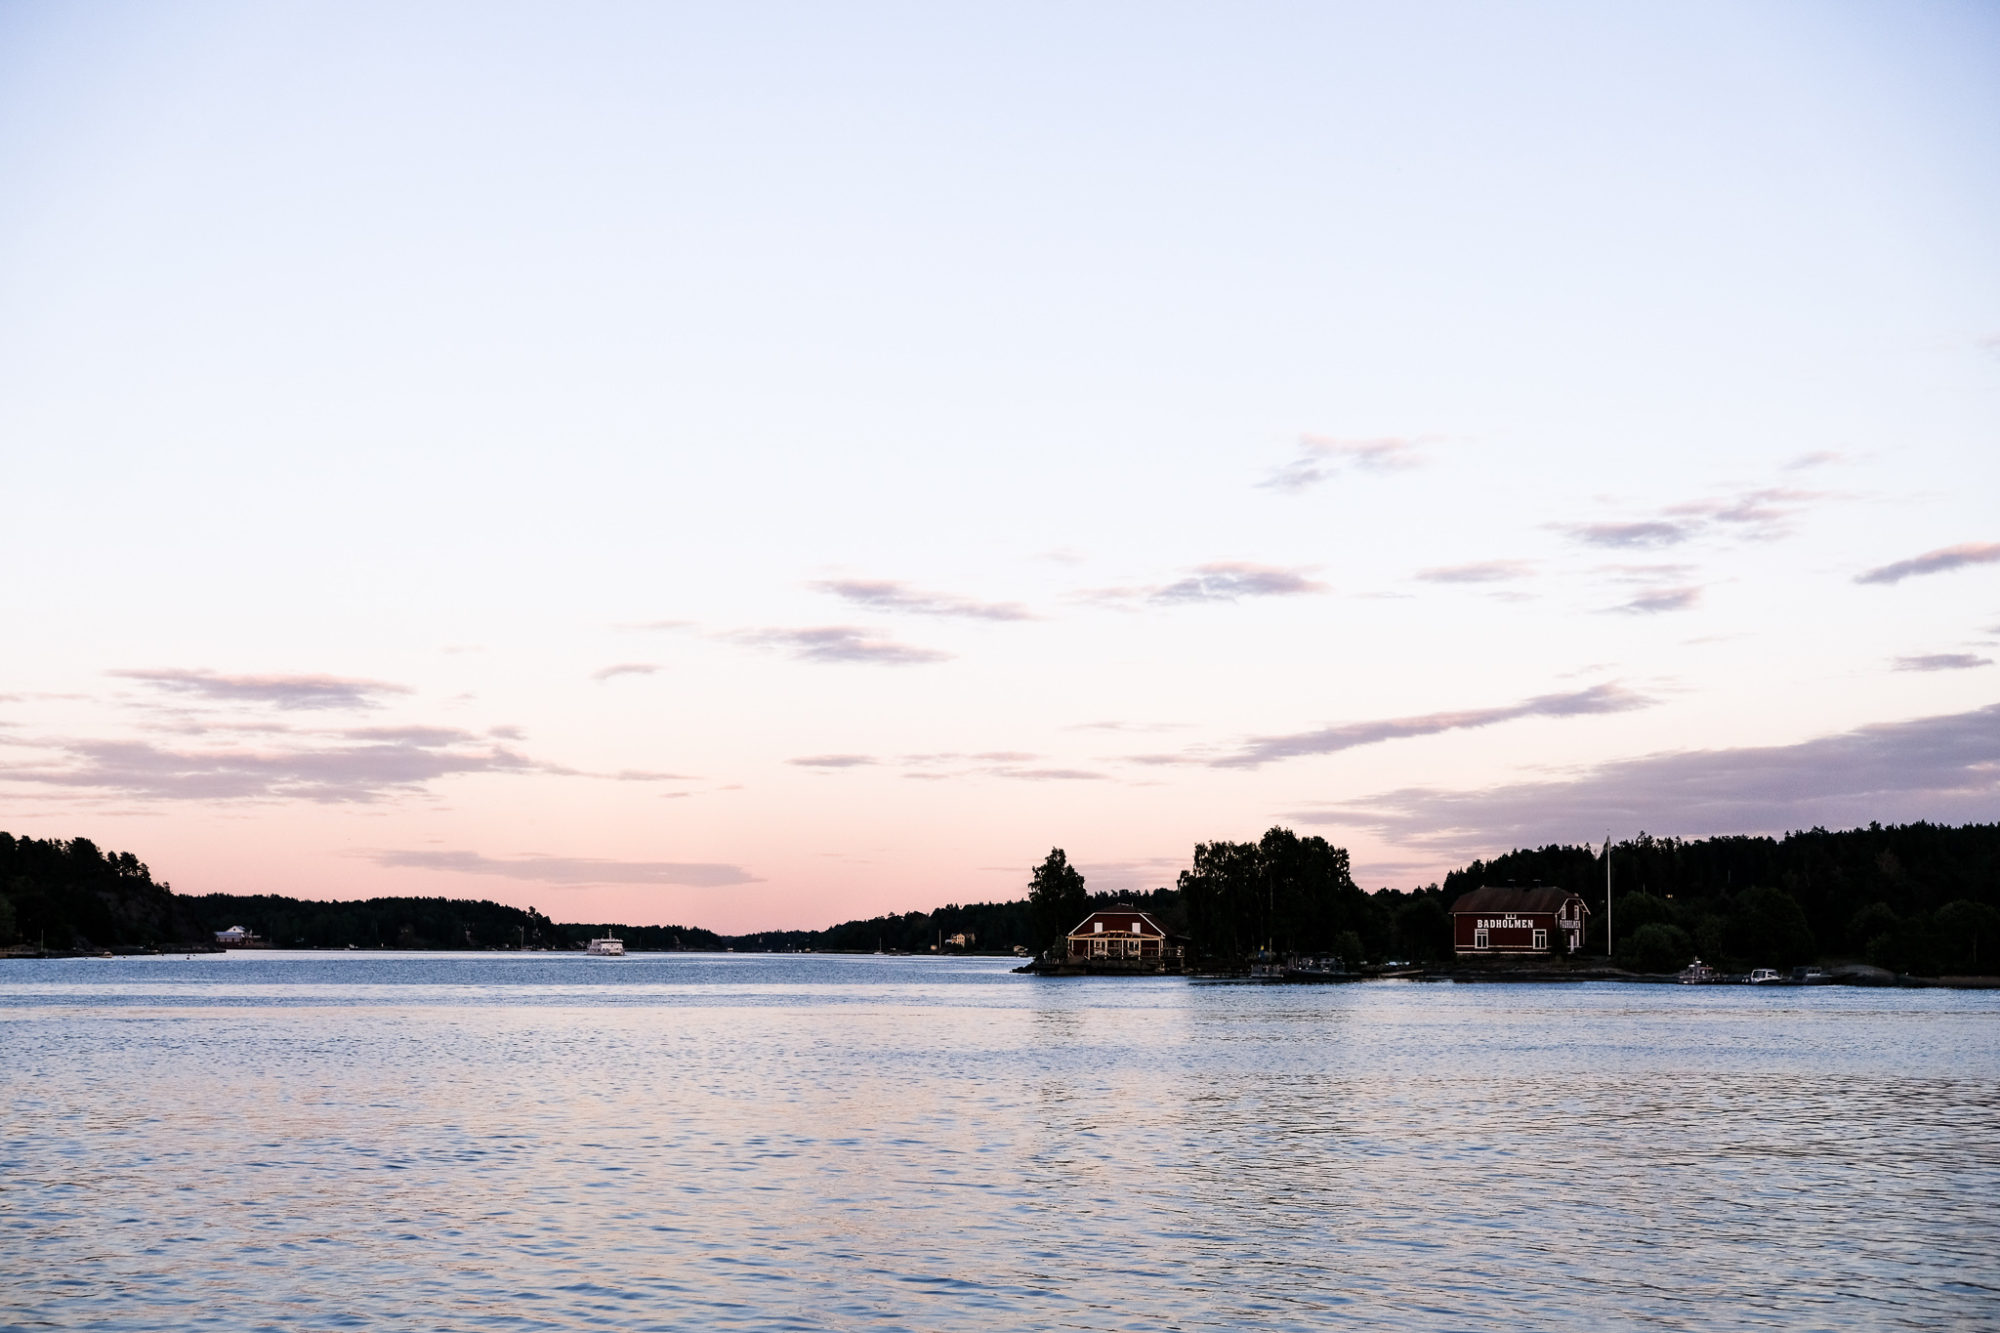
point(1765, 976)
point(608, 947)
point(1697, 973)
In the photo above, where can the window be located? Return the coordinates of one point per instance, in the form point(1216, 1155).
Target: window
point(1479, 939)
point(1100, 927)
point(1542, 940)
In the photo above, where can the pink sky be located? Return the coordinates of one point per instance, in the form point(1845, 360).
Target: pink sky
point(756, 472)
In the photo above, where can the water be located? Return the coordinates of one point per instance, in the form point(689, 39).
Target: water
point(493, 1142)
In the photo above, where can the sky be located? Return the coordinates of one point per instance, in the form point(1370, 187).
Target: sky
point(761, 465)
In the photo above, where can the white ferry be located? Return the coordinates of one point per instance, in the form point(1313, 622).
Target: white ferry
point(608, 947)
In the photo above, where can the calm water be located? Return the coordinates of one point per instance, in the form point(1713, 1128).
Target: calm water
point(491, 1142)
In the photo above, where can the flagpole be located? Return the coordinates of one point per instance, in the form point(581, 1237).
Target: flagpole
point(1607, 895)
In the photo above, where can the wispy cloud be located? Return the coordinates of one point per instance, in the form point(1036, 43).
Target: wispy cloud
point(839, 643)
point(1133, 876)
point(1817, 458)
point(1320, 458)
point(833, 761)
point(1656, 600)
point(1942, 662)
point(1940, 768)
point(1013, 765)
point(891, 595)
point(603, 674)
point(1217, 581)
point(1479, 571)
point(1761, 513)
point(1127, 726)
point(570, 870)
point(357, 766)
point(280, 691)
point(1227, 581)
point(1641, 534)
point(1942, 560)
point(1261, 750)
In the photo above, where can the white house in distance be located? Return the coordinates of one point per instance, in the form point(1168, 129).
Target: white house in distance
point(235, 935)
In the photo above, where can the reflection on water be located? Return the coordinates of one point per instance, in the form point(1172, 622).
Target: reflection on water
point(536, 1142)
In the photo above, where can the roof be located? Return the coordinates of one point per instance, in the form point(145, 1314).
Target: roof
point(1496, 898)
point(1120, 918)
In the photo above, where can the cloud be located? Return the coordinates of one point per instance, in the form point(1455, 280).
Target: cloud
point(1656, 600)
point(1943, 768)
point(1134, 876)
point(833, 761)
point(1817, 458)
point(1942, 662)
point(358, 766)
point(890, 595)
point(1944, 559)
point(1261, 750)
point(569, 870)
point(1766, 510)
point(1127, 726)
point(1217, 581)
point(1320, 458)
point(603, 674)
point(1480, 571)
point(303, 692)
point(1763, 513)
point(1014, 765)
point(840, 643)
point(1643, 534)
point(1226, 581)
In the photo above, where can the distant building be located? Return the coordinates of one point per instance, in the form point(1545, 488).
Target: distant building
point(1496, 920)
point(963, 940)
point(235, 935)
point(1121, 932)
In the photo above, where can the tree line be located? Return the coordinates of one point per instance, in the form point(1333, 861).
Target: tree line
point(1918, 898)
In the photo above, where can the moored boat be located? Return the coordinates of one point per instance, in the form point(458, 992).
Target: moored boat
point(608, 947)
point(1697, 973)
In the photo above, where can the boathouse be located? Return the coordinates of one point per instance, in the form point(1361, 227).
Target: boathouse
point(1497, 920)
point(1121, 933)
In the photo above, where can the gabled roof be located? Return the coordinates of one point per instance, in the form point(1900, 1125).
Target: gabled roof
point(1120, 918)
point(1498, 898)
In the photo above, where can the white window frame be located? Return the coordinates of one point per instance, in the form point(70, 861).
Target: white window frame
point(1541, 941)
point(1480, 939)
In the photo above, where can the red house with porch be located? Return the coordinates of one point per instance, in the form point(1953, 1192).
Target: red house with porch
point(1121, 933)
point(1496, 920)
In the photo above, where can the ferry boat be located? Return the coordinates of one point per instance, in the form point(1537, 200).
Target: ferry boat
point(608, 947)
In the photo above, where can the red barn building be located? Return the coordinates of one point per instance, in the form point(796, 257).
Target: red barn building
point(1121, 932)
point(1497, 920)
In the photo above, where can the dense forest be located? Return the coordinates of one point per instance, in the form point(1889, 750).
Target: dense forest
point(1917, 898)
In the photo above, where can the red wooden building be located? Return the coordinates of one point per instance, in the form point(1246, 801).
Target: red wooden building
point(1496, 920)
point(1121, 932)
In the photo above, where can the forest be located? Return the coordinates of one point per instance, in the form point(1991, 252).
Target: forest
point(1915, 898)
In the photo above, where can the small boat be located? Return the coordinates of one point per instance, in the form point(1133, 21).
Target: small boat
point(1325, 969)
point(608, 947)
point(1765, 976)
point(1697, 973)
